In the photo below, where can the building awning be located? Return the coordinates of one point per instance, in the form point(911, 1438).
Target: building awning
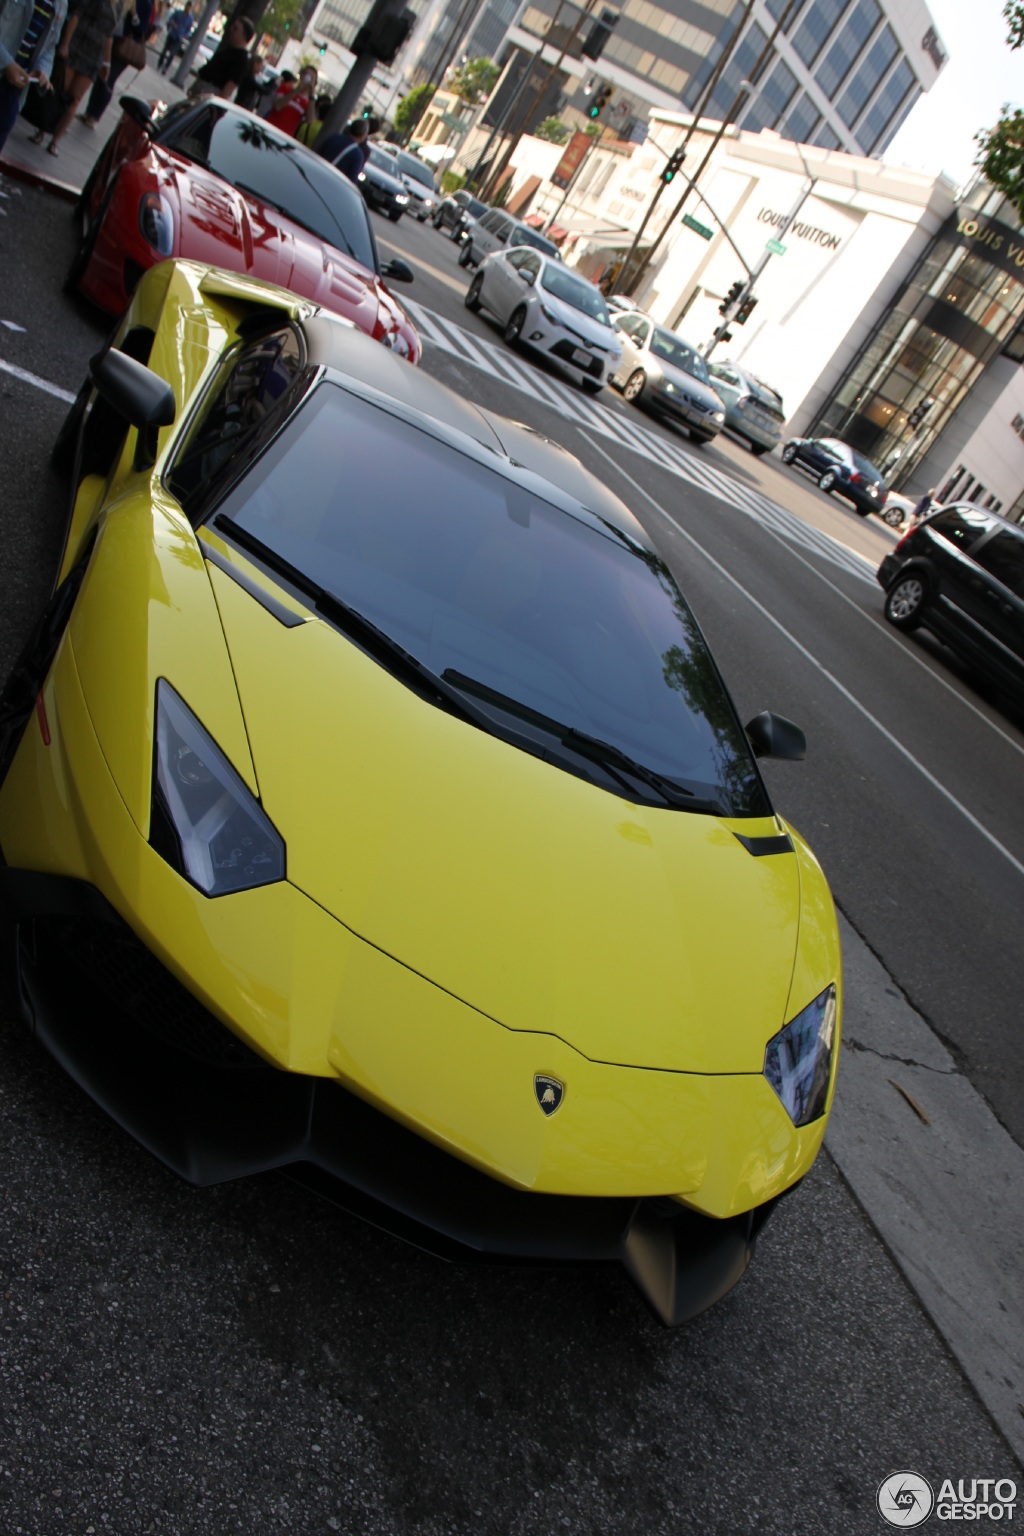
point(521, 198)
point(535, 220)
point(593, 228)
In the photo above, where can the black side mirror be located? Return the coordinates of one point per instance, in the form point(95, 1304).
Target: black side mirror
point(138, 110)
point(137, 394)
point(397, 270)
point(774, 736)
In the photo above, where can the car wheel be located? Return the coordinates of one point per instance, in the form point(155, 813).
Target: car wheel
point(465, 255)
point(394, 214)
point(789, 453)
point(634, 385)
point(83, 256)
point(472, 299)
point(827, 481)
point(437, 221)
point(757, 449)
point(591, 386)
point(906, 599)
point(700, 438)
point(893, 516)
point(514, 329)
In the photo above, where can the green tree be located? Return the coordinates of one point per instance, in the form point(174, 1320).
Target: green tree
point(412, 107)
point(279, 20)
point(474, 79)
point(553, 129)
point(1001, 149)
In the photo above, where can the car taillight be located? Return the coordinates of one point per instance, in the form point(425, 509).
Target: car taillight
point(856, 477)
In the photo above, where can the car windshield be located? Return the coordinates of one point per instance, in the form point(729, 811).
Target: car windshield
point(669, 347)
point(473, 207)
point(410, 166)
point(278, 171)
point(537, 612)
point(383, 162)
point(579, 295)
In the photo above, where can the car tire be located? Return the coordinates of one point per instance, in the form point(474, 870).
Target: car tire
point(591, 386)
point(82, 257)
point(466, 255)
point(699, 438)
point(826, 482)
point(757, 449)
point(514, 328)
point(893, 516)
point(789, 453)
point(634, 385)
point(906, 599)
point(437, 221)
point(394, 214)
point(472, 298)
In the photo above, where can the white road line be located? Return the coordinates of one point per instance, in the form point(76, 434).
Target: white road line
point(829, 676)
point(36, 381)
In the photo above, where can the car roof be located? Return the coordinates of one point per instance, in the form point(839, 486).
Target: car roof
point(374, 371)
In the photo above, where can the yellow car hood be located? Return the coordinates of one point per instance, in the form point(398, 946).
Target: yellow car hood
point(642, 937)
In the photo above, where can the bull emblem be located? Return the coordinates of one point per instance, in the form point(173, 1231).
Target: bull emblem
point(549, 1092)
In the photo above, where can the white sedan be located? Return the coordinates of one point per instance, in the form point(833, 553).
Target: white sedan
point(545, 306)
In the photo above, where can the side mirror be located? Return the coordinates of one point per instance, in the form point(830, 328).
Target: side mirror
point(138, 395)
point(529, 278)
point(138, 110)
point(774, 736)
point(397, 270)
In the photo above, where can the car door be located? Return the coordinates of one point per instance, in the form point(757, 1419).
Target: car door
point(503, 285)
point(634, 330)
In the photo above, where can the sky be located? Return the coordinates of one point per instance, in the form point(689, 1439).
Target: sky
point(981, 76)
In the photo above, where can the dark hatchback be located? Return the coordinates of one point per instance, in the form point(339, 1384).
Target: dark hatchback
point(961, 574)
point(838, 467)
point(458, 211)
point(381, 188)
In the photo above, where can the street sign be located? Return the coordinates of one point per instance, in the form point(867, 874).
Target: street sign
point(776, 247)
point(698, 229)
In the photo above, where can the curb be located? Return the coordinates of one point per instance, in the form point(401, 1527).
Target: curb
point(61, 189)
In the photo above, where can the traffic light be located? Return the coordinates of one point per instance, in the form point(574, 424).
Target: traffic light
point(599, 34)
point(731, 297)
point(745, 310)
point(383, 32)
point(602, 96)
point(323, 49)
point(672, 165)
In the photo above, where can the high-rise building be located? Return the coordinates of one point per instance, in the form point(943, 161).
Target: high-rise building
point(840, 74)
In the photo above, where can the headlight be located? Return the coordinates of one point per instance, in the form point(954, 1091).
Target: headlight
point(798, 1060)
point(402, 198)
point(549, 315)
point(718, 416)
point(157, 223)
point(361, 176)
point(205, 821)
point(668, 387)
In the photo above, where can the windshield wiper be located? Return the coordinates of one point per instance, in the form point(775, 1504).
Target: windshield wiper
point(611, 757)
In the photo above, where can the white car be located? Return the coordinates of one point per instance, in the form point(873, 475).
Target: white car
point(544, 305)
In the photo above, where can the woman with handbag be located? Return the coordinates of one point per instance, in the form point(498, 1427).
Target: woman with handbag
point(29, 30)
point(86, 48)
point(129, 53)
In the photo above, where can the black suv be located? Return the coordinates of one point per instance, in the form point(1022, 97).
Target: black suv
point(961, 574)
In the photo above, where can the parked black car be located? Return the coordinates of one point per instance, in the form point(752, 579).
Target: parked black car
point(456, 212)
point(838, 467)
point(961, 574)
point(381, 187)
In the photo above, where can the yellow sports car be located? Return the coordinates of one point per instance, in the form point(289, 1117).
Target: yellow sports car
point(372, 809)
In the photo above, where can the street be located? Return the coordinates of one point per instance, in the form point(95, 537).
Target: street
point(246, 1357)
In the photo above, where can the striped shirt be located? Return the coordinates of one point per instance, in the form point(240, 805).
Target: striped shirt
point(42, 15)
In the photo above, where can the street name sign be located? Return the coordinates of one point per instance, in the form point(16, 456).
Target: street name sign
point(698, 228)
point(776, 247)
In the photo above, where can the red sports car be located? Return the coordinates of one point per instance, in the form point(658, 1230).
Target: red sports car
point(209, 181)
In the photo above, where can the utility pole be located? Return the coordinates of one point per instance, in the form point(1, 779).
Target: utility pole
point(481, 158)
point(746, 290)
point(765, 54)
point(495, 177)
point(377, 41)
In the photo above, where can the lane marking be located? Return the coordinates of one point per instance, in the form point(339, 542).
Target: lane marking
point(829, 676)
point(36, 382)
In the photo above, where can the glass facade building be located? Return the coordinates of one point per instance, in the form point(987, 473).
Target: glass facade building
point(962, 305)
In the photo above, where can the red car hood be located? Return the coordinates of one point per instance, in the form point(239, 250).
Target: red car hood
point(217, 224)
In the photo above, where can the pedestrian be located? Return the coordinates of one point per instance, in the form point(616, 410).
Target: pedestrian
point(222, 74)
point(923, 506)
point(309, 132)
point(29, 30)
point(85, 47)
point(180, 26)
point(350, 150)
point(129, 52)
point(293, 102)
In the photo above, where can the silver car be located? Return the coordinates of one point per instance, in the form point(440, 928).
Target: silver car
point(753, 410)
point(424, 198)
point(545, 306)
point(663, 372)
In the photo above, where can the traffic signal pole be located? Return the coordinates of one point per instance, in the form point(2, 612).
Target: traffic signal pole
point(743, 292)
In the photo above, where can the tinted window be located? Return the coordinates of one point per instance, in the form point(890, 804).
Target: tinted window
point(526, 236)
point(492, 221)
point(1003, 556)
point(577, 294)
point(471, 571)
point(253, 158)
point(410, 166)
point(962, 526)
point(835, 449)
point(259, 382)
point(667, 346)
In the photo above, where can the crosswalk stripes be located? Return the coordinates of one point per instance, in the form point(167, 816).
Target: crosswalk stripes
point(596, 417)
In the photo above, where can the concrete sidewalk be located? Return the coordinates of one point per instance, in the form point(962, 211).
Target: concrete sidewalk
point(65, 173)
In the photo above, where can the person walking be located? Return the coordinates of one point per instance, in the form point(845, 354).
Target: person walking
point(224, 72)
point(922, 507)
point(350, 150)
point(129, 52)
point(85, 48)
point(29, 30)
point(180, 26)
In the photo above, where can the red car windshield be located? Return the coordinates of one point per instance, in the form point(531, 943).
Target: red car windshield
point(278, 171)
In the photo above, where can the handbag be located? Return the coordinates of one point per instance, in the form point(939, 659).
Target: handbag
point(131, 50)
point(44, 109)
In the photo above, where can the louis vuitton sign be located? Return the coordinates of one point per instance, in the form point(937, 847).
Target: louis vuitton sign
point(987, 238)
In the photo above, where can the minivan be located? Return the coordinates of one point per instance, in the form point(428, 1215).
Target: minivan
point(961, 574)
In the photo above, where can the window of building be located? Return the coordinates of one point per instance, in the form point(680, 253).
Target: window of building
point(738, 69)
point(877, 60)
point(825, 138)
point(801, 122)
point(879, 117)
point(816, 27)
point(846, 48)
point(772, 99)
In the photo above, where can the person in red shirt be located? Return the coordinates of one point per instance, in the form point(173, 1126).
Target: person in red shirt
point(293, 105)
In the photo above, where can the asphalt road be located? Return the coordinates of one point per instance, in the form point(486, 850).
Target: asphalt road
point(246, 1358)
